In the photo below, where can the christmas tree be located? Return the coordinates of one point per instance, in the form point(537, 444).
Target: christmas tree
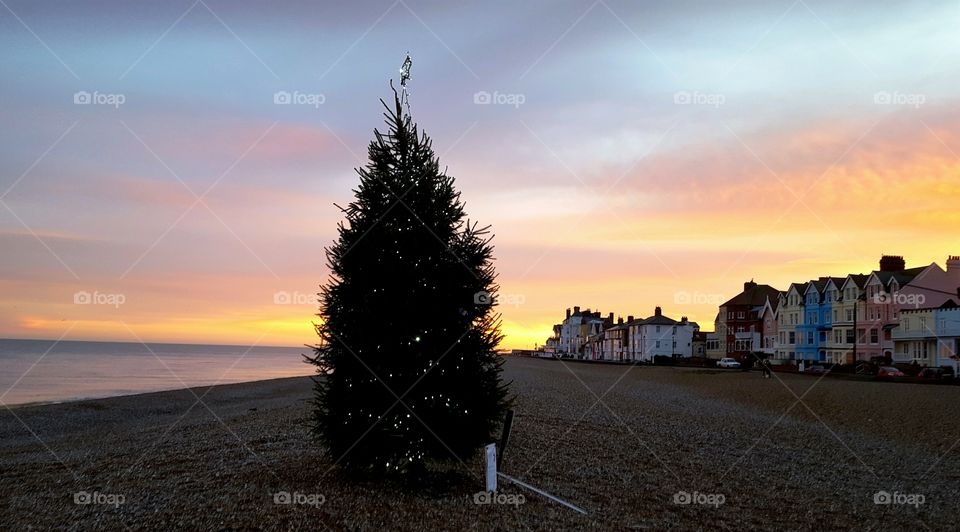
point(407, 368)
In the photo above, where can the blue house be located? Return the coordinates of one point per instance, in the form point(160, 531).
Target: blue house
point(814, 334)
point(807, 343)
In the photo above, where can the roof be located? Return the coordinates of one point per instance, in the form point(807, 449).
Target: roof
point(773, 303)
point(820, 284)
point(754, 296)
point(902, 277)
point(908, 275)
point(799, 287)
point(859, 279)
point(660, 320)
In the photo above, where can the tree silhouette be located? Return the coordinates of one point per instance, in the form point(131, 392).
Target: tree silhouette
point(407, 368)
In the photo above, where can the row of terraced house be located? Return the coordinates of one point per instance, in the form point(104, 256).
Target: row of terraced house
point(896, 313)
point(586, 334)
point(905, 315)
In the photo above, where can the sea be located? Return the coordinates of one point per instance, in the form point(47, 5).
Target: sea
point(47, 371)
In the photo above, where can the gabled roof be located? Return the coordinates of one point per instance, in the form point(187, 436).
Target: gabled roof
point(903, 277)
point(859, 279)
point(906, 276)
point(772, 303)
point(800, 288)
point(820, 284)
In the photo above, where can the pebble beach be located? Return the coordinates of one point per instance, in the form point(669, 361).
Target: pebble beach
point(634, 447)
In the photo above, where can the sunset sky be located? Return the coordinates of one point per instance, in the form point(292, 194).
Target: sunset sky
point(652, 151)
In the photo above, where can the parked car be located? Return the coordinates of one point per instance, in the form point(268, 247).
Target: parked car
point(887, 372)
point(936, 374)
point(728, 363)
point(817, 370)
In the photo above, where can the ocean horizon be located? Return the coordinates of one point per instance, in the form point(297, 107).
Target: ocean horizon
point(51, 371)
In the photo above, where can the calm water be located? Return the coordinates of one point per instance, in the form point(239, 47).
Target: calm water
point(77, 370)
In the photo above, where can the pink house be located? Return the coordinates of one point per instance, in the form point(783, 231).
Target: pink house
point(894, 288)
point(768, 341)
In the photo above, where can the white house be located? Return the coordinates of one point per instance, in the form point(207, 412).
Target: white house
point(576, 328)
point(659, 335)
point(929, 337)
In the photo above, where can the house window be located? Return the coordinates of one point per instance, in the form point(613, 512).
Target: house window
point(793, 337)
point(874, 336)
point(810, 337)
point(850, 336)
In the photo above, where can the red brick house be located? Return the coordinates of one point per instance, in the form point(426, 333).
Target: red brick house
point(741, 320)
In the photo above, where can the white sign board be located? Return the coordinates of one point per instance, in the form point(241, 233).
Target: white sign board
point(491, 452)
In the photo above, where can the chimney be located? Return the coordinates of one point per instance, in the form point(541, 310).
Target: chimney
point(953, 263)
point(610, 318)
point(568, 314)
point(683, 320)
point(620, 320)
point(629, 319)
point(892, 263)
point(576, 310)
point(748, 285)
point(657, 311)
